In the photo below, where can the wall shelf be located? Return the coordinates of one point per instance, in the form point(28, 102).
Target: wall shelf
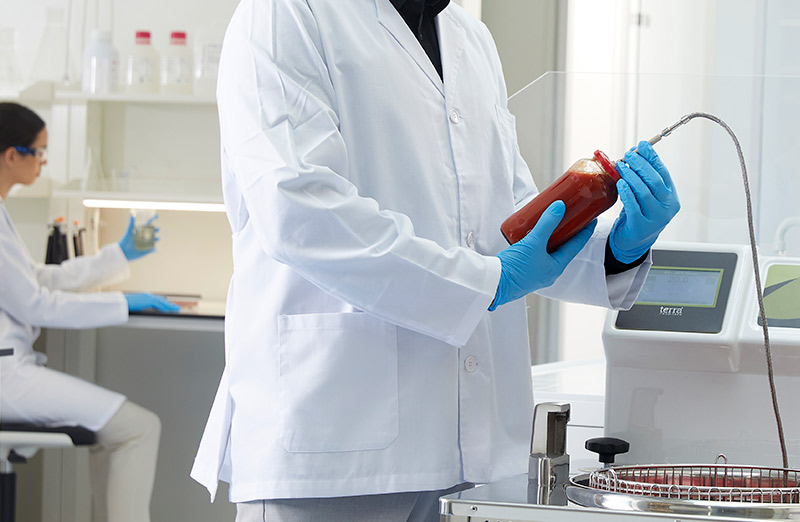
point(183, 191)
point(34, 92)
point(123, 97)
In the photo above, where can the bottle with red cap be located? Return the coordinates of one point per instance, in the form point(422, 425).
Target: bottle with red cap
point(176, 66)
point(141, 66)
point(588, 188)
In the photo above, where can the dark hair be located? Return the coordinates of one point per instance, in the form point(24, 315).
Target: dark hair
point(19, 126)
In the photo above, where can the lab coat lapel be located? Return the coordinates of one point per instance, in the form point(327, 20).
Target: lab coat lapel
point(451, 43)
point(391, 20)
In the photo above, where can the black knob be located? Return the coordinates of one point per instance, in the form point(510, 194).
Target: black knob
point(607, 448)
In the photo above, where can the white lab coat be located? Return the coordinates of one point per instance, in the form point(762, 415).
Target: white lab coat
point(34, 295)
point(365, 198)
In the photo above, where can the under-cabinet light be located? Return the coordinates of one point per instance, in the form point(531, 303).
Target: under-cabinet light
point(155, 205)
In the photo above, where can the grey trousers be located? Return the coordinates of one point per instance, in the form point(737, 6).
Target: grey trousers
point(413, 506)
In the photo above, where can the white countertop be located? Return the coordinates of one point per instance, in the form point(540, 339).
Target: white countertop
point(200, 316)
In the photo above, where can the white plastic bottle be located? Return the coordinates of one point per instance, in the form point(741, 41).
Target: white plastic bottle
point(100, 64)
point(141, 66)
point(176, 66)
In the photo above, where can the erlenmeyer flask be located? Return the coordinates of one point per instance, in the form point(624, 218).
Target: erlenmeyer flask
point(10, 75)
point(52, 57)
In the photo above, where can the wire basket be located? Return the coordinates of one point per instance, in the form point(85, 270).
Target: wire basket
point(725, 483)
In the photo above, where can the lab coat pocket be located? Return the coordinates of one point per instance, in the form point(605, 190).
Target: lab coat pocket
point(338, 382)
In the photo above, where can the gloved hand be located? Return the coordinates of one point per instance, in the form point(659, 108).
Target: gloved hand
point(139, 302)
point(526, 265)
point(649, 202)
point(128, 245)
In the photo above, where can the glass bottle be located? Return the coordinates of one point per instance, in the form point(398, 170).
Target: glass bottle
point(176, 66)
point(587, 188)
point(141, 66)
point(100, 64)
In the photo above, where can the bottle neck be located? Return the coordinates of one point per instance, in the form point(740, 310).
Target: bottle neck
point(608, 167)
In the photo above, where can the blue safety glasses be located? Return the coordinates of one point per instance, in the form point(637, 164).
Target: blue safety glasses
point(39, 152)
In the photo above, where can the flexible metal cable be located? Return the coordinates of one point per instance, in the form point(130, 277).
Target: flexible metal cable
point(751, 230)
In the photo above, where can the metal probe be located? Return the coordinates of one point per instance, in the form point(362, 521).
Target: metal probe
point(667, 131)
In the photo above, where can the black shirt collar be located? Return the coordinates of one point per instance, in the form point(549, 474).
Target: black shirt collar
point(434, 7)
point(420, 17)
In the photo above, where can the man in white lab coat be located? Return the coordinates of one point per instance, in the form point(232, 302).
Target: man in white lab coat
point(368, 160)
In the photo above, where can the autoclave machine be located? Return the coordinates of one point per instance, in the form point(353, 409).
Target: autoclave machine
point(685, 383)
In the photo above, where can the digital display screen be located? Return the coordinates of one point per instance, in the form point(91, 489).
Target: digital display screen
point(782, 296)
point(675, 286)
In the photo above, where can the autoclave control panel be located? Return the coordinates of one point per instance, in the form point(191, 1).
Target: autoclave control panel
point(685, 291)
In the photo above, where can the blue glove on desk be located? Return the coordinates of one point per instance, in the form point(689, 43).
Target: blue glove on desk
point(128, 243)
point(526, 265)
point(649, 202)
point(139, 302)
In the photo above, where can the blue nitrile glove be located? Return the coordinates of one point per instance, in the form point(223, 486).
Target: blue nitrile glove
point(526, 265)
point(139, 302)
point(649, 202)
point(128, 245)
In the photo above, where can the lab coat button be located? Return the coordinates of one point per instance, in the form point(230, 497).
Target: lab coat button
point(470, 363)
point(471, 239)
point(455, 117)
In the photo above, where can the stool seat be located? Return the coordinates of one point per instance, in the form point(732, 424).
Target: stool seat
point(19, 441)
point(26, 439)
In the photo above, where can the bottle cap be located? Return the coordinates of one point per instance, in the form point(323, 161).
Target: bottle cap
point(101, 34)
point(178, 38)
point(142, 37)
point(604, 162)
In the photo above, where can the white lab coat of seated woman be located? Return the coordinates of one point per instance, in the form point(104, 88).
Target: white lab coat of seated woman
point(32, 296)
point(30, 392)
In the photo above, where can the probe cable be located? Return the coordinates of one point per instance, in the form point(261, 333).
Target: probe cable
point(751, 230)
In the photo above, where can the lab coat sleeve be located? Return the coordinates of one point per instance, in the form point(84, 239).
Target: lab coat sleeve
point(107, 267)
point(584, 280)
point(279, 130)
point(29, 302)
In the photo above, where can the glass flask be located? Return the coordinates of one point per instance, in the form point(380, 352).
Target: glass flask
point(144, 231)
point(51, 63)
point(10, 75)
point(587, 188)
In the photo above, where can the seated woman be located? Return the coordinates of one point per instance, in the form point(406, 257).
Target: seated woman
point(32, 296)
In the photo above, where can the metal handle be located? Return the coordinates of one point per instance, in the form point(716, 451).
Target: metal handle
point(550, 429)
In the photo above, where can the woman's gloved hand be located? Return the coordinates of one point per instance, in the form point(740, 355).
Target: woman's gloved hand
point(649, 202)
point(526, 265)
point(139, 302)
point(128, 243)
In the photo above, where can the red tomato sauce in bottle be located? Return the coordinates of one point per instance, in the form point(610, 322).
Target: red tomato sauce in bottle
point(588, 188)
